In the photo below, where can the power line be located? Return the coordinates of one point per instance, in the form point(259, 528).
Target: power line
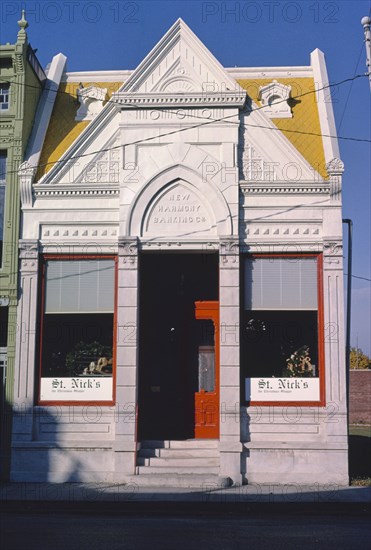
point(351, 87)
point(358, 277)
point(204, 123)
point(57, 91)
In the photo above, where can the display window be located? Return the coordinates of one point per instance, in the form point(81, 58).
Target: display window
point(77, 330)
point(282, 330)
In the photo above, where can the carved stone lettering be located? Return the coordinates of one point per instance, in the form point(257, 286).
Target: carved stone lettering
point(178, 211)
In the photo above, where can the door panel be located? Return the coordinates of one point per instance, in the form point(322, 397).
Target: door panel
point(207, 396)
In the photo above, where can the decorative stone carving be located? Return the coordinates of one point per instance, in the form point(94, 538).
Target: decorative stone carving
point(168, 99)
point(28, 248)
point(274, 99)
point(23, 24)
point(67, 190)
point(104, 168)
point(229, 250)
point(26, 174)
point(91, 102)
point(284, 189)
point(332, 248)
point(28, 254)
point(253, 167)
point(335, 169)
point(178, 85)
point(90, 232)
point(333, 252)
point(277, 231)
point(128, 252)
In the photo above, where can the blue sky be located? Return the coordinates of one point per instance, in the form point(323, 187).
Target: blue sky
point(102, 35)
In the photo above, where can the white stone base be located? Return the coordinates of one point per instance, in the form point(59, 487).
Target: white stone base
point(36, 462)
point(44, 462)
point(291, 466)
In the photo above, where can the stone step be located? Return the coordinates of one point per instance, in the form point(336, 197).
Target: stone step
point(189, 453)
point(179, 453)
point(194, 481)
point(156, 470)
point(181, 444)
point(154, 444)
point(195, 444)
point(180, 462)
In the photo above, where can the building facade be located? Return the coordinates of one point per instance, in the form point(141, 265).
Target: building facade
point(181, 303)
point(21, 81)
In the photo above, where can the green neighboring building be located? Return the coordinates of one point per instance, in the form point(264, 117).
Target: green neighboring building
point(21, 83)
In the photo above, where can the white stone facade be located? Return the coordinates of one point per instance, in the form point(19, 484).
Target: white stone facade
point(180, 130)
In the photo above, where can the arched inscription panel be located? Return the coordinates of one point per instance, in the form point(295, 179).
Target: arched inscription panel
point(178, 211)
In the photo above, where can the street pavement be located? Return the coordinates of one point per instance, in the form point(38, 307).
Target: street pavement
point(100, 516)
point(330, 495)
point(198, 530)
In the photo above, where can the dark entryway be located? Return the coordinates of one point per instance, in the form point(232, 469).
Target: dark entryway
point(169, 339)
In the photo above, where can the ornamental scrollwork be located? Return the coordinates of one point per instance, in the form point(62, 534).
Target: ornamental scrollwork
point(335, 167)
point(128, 250)
point(229, 250)
point(26, 174)
point(332, 248)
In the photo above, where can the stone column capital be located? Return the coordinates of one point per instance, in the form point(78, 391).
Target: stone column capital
point(29, 255)
point(128, 248)
point(229, 250)
point(332, 253)
point(335, 169)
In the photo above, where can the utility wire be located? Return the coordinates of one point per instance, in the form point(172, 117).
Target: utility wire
point(204, 123)
point(351, 86)
point(57, 91)
point(358, 277)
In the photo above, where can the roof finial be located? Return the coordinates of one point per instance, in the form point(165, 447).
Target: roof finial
point(22, 22)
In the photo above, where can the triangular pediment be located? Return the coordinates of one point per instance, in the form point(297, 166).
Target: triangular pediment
point(180, 64)
point(177, 70)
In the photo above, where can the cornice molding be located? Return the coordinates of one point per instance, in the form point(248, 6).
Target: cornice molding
point(200, 99)
point(284, 188)
point(250, 73)
point(239, 73)
point(206, 245)
point(46, 191)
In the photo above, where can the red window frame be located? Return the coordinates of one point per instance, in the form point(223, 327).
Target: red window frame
point(321, 335)
point(68, 257)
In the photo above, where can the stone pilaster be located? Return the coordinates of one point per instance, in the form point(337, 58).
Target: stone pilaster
point(333, 292)
point(336, 424)
point(25, 360)
point(229, 297)
point(127, 358)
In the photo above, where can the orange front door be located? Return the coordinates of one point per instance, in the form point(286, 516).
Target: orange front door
point(207, 396)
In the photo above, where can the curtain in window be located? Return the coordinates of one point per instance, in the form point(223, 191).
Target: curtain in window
point(79, 286)
point(281, 283)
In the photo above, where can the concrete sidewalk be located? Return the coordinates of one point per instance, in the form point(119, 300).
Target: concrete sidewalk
point(15, 496)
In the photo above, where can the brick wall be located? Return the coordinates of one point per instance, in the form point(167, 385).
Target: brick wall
point(360, 397)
